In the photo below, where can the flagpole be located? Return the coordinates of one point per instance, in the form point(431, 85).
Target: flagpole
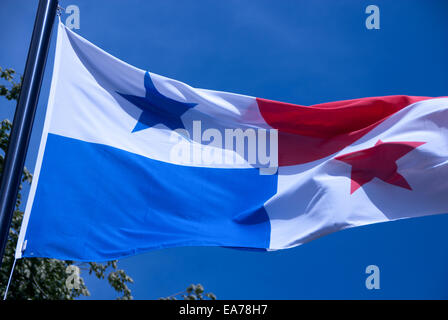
point(24, 116)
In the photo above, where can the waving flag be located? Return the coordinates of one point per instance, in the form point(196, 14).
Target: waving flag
point(131, 161)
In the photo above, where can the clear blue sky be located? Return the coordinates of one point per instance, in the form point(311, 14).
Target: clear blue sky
point(297, 51)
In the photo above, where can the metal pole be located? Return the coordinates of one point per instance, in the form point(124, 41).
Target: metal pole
point(24, 116)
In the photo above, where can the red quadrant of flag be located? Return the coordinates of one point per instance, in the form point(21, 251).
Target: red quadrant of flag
point(309, 133)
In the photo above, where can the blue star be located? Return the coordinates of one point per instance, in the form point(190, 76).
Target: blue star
point(156, 108)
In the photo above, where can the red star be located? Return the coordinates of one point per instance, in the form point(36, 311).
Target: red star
point(379, 162)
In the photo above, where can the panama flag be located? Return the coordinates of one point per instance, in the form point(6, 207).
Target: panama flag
point(130, 161)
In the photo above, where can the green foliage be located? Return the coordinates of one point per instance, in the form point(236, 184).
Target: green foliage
point(193, 292)
point(11, 93)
